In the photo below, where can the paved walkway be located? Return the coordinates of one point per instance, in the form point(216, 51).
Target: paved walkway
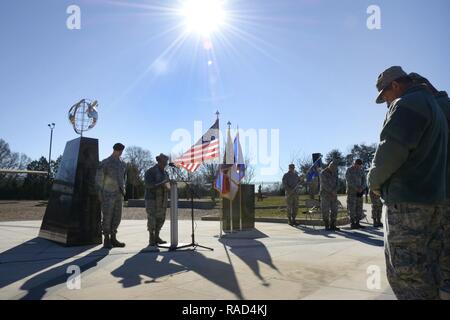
point(274, 261)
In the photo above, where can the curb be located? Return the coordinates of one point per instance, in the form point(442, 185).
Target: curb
point(317, 223)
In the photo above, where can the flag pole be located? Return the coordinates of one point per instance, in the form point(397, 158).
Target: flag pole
point(221, 198)
point(240, 206)
point(231, 201)
point(239, 187)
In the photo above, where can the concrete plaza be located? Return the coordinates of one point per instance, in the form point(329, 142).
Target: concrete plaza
point(274, 261)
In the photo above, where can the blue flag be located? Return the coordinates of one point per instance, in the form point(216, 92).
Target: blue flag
point(313, 172)
point(239, 158)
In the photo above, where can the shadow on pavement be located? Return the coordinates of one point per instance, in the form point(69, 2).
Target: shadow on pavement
point(251, 251)
point(31, 257)
point(319, 231)
point(156, 265)
point(153, 265)
point(37, 286)
point(362, 236)
point(369, 235)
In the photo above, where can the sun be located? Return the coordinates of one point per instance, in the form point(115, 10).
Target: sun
point(203, 17)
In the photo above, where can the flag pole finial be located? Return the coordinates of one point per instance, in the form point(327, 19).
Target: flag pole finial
point(229, 124)
point(217, 114)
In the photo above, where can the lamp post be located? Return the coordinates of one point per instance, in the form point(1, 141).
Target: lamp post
point(51, 126)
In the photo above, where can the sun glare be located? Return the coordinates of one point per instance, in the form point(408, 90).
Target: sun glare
point(203, 17)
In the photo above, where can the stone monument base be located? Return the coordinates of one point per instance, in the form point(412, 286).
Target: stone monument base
point(73, 214)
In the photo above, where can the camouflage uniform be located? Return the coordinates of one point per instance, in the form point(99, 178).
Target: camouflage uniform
point(445, 256)
point(411, 262)
point(110, 182)
point(156, 198)
point(444, 102)
point(328, 196)
point(290, 182)
point(356, 179)
point(408, 169)
point(377, 207)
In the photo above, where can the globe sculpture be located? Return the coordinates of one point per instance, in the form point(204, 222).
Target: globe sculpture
point(83, 115)
point(73, 213)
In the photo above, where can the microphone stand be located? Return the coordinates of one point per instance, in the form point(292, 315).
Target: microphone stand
point(192, 192)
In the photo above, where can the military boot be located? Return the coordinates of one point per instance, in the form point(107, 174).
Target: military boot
point(327, 225)
point(290, 221)
point(158, 239)
point(115, 242)
point(333, 226)
point(358, 226)
point(107, 242)
point(353, 225)
point(379, 224)
point(152, 239)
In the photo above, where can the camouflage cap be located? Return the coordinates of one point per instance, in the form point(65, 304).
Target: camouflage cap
point(162, 157)
point(386, 78)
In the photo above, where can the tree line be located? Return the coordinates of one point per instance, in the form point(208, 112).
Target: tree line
point(137, 159)
point(365, 152)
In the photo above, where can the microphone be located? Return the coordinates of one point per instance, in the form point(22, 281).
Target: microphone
point(171, 164)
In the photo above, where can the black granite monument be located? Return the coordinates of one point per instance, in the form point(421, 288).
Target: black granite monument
point(246, 197)
point(73, 215)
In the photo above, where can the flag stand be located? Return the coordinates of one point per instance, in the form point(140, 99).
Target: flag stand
point(240, 207)
point(231, 215)
point(221, 220)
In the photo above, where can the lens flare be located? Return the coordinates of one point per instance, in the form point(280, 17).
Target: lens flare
point(203, 17)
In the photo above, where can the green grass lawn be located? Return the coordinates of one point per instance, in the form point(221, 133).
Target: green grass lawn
point(280, 201)
point(281, 212)
point(276, 213)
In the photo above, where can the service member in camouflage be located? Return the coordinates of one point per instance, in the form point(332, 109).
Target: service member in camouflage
point(110, 180)
point(377, 209)
point(444, 102)
point(156, 198)
point(291, 182)
point(408, 173)
point(328, 196)
point(356, 184)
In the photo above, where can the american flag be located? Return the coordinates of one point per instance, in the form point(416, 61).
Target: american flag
point(207, 148)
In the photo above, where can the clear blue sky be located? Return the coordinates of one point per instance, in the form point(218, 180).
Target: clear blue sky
point(305, 67)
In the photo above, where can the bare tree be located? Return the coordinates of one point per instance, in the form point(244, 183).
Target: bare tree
point(12, 160)
point(208, 171)
point(8, 159)
point(249, 171)
point(303, 164)
point(140, 159)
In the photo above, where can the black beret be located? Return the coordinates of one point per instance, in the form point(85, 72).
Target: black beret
point(118, 147)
